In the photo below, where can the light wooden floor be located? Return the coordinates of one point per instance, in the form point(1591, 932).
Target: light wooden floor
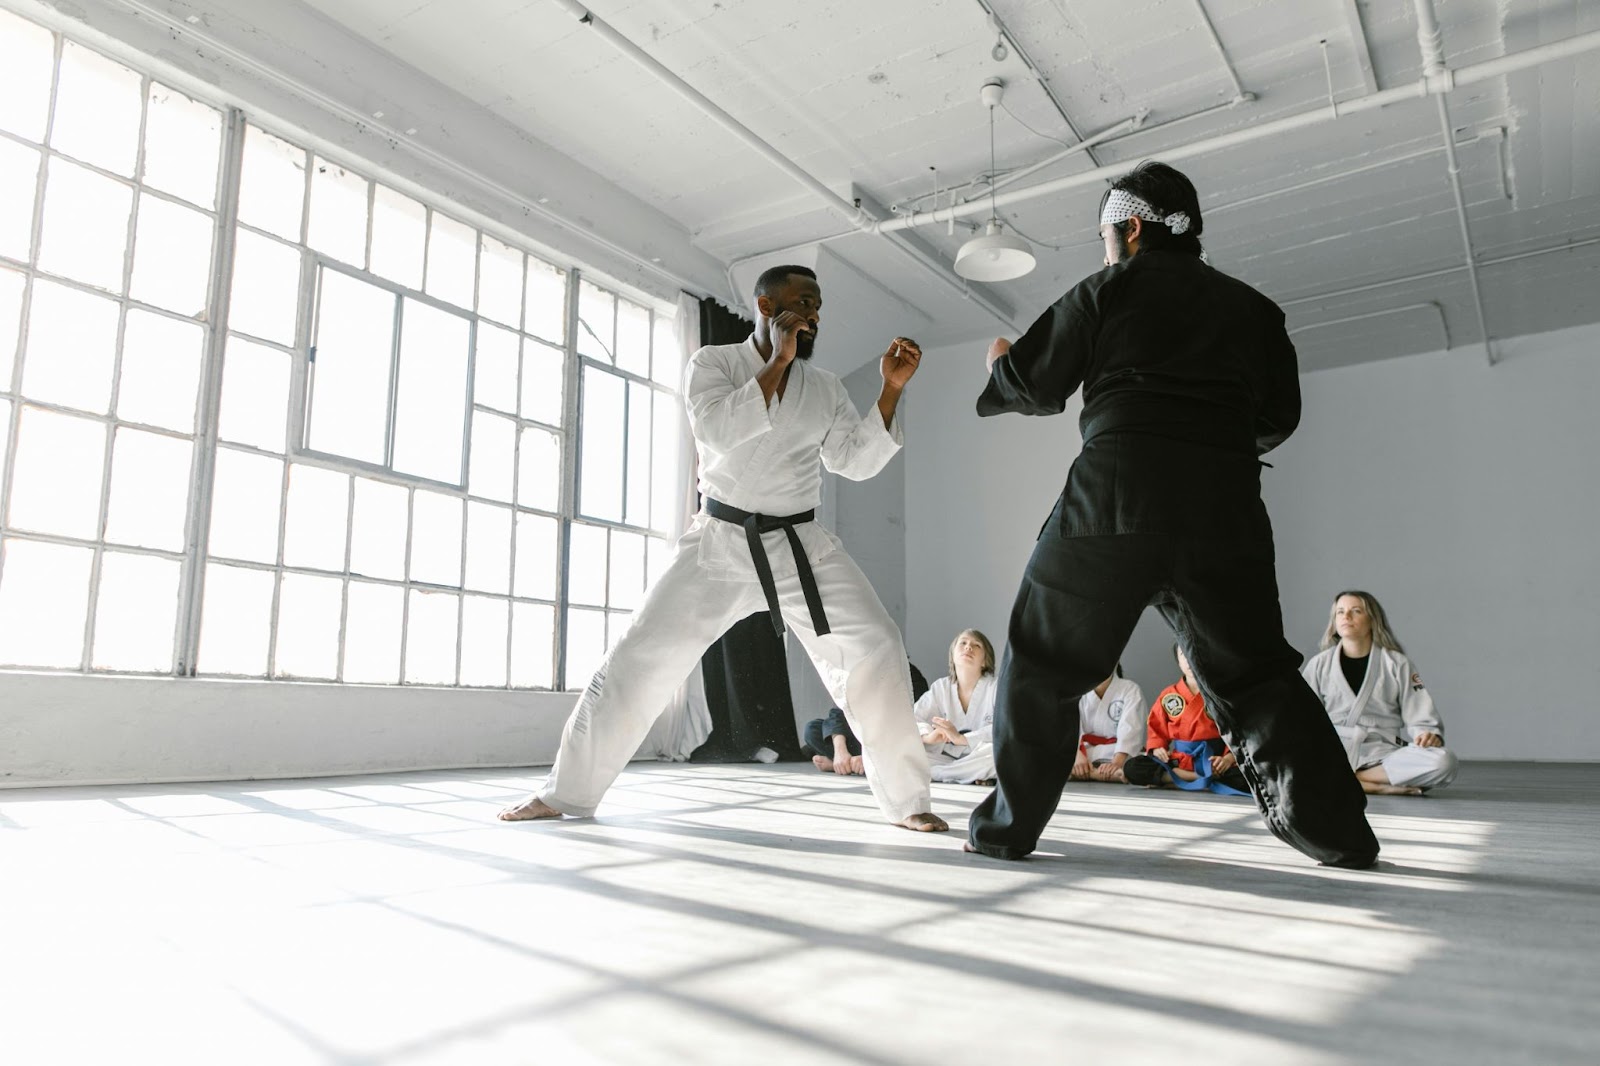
point(744, 915)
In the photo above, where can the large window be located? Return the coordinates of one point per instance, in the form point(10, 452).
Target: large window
point(392, 449)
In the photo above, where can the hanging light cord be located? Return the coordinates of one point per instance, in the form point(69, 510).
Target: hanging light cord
point(994, 211)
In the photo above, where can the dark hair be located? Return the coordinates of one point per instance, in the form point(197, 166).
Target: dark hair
point(1168, 191)
point(774, 278)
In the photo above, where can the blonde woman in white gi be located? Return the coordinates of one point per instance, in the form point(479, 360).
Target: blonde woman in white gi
point(956, 715)
point(1379, 706)
point(1111, 724)
point(765, 423)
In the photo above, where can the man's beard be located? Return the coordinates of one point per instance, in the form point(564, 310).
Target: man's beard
point(803, 344)
point(1121, 242)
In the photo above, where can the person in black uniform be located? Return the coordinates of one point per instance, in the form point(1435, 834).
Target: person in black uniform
point(1188, 376)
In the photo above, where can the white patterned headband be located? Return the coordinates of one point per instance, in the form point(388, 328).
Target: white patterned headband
point(1122, 205)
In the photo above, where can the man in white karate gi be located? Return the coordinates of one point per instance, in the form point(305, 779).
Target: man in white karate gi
point(762, 418)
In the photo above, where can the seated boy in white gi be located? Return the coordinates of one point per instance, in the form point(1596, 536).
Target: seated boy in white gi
point(1111, 729)
point(1379, 706)
point(956, 715)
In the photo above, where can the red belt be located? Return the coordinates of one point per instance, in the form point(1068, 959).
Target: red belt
point(1092, 740)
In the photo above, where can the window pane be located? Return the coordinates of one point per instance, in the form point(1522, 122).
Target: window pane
point(11, 284)
point(5, 431)
point(55, 479)
point(633, 338)
point(244, 507)
point(44, 601)
point(488, 548)
point(399, 229)
point(235, 621)
point(72, 347)
point(436, 539)
point(500, 282)
point(604, 425)
point(532, 645)
point(452, 257)
point(272, 186)
point(666, 356)
point(431, 405)
point(546, 301)
point(586, 646)
point(171, 257)
point(84, 233)
point(338, 223)
point(28, 56)
point(19, 177)
point(586, 565)
point(378, 533)
point(372, 634)
point(666, 479)
point(493, 452)
point(182, 144)
point(484, 628)
point(349, 413)
point(136, 613)
point(266, 288)
point(308, 626)
point(160, 370)
point(431, 638)
point(626, 588)
point(149, 490)
point(543, 376)
point(494, 368)
point(597, 311)
point(536, 557)
point(97, 110)
point(313, 533)
point(639, 441)
point(539, 469)
point(255, 395)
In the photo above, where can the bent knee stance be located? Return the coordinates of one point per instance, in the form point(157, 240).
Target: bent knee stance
point(1414, 767)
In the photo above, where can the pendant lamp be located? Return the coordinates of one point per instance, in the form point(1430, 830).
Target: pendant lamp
point(997, 255)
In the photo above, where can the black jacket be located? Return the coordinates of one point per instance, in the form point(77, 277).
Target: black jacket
point(1187, 375)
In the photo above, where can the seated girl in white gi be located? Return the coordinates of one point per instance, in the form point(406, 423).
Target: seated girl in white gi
point(1380, 709)
point(956, 715)
point(1111, 729)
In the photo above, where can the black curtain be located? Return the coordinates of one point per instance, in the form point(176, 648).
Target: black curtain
point(746, 673)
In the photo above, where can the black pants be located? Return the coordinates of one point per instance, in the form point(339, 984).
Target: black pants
point(819, 733)
point(1079, 601)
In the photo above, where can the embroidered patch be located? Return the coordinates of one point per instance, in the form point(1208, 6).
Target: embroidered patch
point(1416, 682)
point(1172, 703)
point(1115, 710)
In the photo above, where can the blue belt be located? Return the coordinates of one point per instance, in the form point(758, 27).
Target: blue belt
point(1202, 751)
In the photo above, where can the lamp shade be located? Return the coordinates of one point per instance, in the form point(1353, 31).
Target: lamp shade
point(995, 256)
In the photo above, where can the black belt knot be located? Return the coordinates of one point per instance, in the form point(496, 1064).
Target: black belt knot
point(757, 524)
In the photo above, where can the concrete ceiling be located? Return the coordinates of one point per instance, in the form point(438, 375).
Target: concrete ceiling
point(873, 95)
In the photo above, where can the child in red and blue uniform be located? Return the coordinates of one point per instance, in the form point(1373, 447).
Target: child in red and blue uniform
point(1183, 747)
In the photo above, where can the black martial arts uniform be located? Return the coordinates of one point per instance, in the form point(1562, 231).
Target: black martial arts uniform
point(1187, 376)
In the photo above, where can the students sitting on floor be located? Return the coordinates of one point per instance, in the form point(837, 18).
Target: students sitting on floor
point(1111, 724)
point(1379, 706)
point(956, 714)
point(832, 745)
point(1184, 747)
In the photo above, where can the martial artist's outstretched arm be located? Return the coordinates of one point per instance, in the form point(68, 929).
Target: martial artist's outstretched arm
point(857, 447)
point(1046, 365)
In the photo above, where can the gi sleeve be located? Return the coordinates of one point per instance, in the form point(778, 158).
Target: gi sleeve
point(984, 732)
point(1279, 412)
point(1156, 734)
point(1130, 729)
point(721, 414)
point(1048, 363)
point(926, 708)
point(1416, 703)
point(857, 446)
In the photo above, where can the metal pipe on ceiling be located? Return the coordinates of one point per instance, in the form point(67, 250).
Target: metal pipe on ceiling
point(1430, 39)
point(851, 212)
point(1239, 93)
point(1425, 305)
point(1466, 75)
point(1424, 275)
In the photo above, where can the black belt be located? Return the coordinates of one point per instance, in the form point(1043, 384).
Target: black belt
point(757, 524)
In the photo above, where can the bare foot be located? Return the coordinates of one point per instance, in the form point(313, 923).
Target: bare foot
point(924, 823)
point(1372, 788)
point(823, 763)
point(984, 782)
point(529, 809)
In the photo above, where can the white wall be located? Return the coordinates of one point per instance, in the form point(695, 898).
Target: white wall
point(1467, 498)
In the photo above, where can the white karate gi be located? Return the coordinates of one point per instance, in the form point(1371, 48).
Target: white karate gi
point(960, 764)
point(1379, 723)
point(763, 460)
point(1119, 713)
